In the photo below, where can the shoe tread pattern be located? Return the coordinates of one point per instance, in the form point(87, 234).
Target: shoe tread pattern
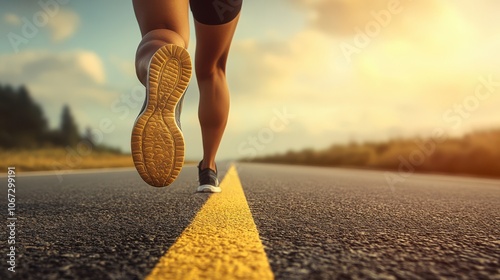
point(157, 141)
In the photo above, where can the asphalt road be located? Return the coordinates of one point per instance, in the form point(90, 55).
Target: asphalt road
point(315, 223)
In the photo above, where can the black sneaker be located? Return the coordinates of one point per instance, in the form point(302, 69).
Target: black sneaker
point(208, 180)
point(157, 140)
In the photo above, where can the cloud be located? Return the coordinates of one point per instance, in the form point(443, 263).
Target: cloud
point(76, 67)
point(75, 77)
point(342, 17)
point(427, 47)
point(92, 65)
point(63, 24)
point(125, 66)
point(281, 69)
point(427, 59)
point(425, 30)
point(300, 75)
point(12, 19)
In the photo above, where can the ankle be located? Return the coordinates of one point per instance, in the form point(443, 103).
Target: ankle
point(208, 164)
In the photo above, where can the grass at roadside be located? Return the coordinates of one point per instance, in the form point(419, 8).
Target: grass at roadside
point(476, 154)
point(61, 159)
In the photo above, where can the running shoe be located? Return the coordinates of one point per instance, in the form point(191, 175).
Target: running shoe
point(157, 141)
point(208, 180)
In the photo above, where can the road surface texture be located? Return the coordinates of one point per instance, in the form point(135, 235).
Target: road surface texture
point(313, 223)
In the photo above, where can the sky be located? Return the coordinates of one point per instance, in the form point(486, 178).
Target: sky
point(302, 73)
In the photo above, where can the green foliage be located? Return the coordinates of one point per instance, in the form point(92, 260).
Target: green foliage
point(68, 130)
point(23, 124)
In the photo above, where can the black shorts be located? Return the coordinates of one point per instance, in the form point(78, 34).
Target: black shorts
point(215, 12)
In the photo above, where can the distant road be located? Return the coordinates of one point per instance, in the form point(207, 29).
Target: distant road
point(313, 223)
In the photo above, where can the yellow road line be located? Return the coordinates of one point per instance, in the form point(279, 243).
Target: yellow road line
point(222, 242)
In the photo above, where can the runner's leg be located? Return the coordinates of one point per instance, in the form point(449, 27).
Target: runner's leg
point(212, 48)
point(161, 22)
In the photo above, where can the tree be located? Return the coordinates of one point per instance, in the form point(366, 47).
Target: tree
point(89, 137)
point(69, 135)
point(30, 118)
point(22, 122)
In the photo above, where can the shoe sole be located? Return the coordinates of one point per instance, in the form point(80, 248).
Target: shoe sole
point(157, 141)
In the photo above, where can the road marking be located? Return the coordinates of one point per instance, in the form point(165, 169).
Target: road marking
point(222, 242)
